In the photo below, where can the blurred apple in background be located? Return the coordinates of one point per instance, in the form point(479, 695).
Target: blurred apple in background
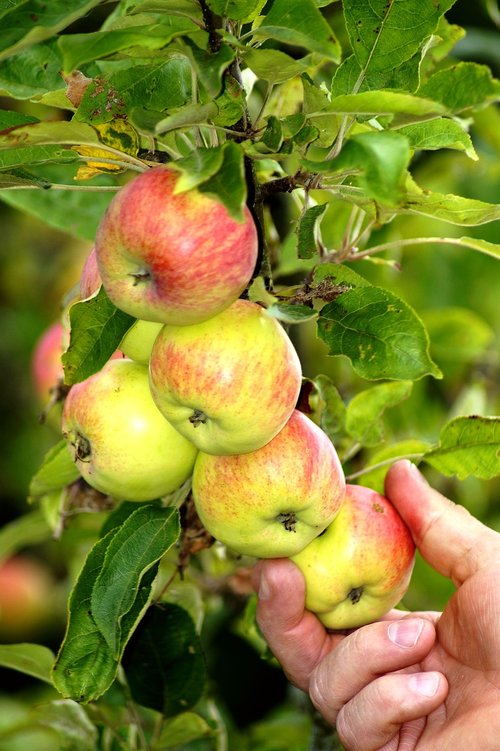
point(90, 278)
point(361, 566)
point(46, 365)
point(27, 597)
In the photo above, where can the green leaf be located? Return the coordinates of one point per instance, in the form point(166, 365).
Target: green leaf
point(229, 185)
point(321, 401)
point(71, 723)
point(381, 335)
point(316, 104)
point(219, 171)
point(198, 167)
point(365, 410)
point(31, 659)
point(21, 179)
point(300, 23)
point(49, 132)
point(75, 212)
point(24, 531)
point(349, 77)
point(164, 663)
point(156, 86)
point(156, 123)
point(230, 104)
point(341, 276)
point(272, 136)
point(34, 155)
point(288, 313)
point(376, 469)
point(463, 86)
point(57, 470)
point(6, 6)
point(381, 158)
point(189, 8)
point(384, 35)
point(378, 103)
point(307, 230)
point(209, 66)
point(11, 119)
point(272, 65)
point(32, 73)
point(453, 209)
point(483, 246)
point(35, 21)
point(120, 514)
point(85, 667)
point(468, 446)
point(182, 729)
point(78, 49)
point(97, 328)
point(138, 544)
point(442, 133)
point(236, 10)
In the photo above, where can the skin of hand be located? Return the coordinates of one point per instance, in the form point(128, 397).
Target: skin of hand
point(425, 681)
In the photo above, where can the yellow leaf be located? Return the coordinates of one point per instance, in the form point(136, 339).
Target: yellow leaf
point(118, 135)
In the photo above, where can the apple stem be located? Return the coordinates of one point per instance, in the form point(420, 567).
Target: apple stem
point(288, 520)
point(197, 418)
point(355, 594)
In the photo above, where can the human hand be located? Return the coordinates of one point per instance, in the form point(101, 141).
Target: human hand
point(412, 680)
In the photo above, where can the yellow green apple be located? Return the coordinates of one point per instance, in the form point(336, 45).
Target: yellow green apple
point(361, 566)
point(271, 502)
point(121, 443)
point(228, 384)
point(137, 344)
point(173, 257)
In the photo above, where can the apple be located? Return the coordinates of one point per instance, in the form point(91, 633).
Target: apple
point(271, 502)
point(121, 443)
point(228, 384)
point(137, 344)
point(361, 566)
point(138, 340)
point(173, 257)
point(26, 597)
point(46, 366)
point(90, 278)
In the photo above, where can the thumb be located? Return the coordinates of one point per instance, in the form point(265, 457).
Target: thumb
point(451, 540)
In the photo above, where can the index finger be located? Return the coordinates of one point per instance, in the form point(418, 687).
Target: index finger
point(295, 636)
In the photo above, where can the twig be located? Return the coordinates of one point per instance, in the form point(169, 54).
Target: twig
point(384, 463)
point(408, 241)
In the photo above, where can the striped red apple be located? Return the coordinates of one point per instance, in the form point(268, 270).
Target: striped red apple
point(173, 257)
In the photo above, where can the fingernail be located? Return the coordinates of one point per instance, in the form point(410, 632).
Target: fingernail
point(264, 590)
point(405, 633)
point(417, 472)
point(425, 684)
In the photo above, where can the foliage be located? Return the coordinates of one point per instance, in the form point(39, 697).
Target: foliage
point(323, 118)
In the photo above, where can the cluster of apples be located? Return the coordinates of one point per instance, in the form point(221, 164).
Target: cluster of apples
point(206, 388)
